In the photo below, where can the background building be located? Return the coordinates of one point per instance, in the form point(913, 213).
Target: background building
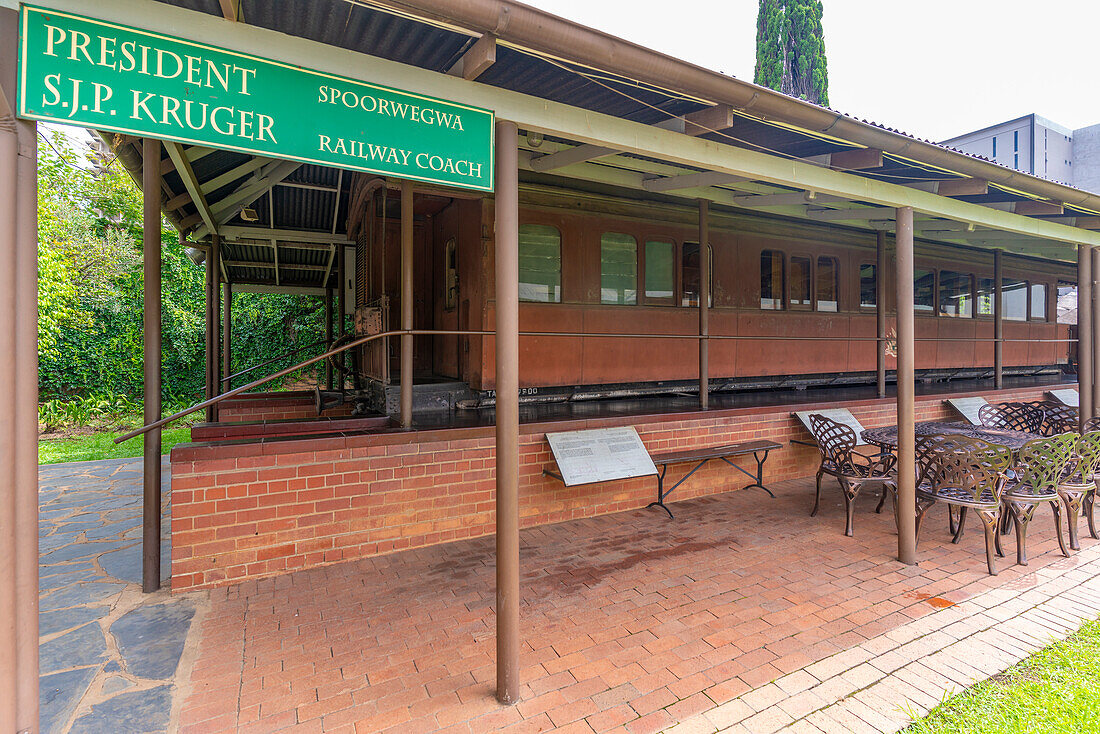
point(1035, 145)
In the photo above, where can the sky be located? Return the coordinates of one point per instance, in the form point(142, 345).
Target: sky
point(933, 68)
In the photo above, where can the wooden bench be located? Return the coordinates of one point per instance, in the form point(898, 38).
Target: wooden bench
point(703, 455)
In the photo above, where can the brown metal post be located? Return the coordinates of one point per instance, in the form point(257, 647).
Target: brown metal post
point(507, 411)
point(880, 314)
point(12, 605)
point(341, 324)
point(24, 418)
point(150, 549)
point(907, 498)
point(1095, 329)
point(328, 336)
point(227, 335)
point(998, 319)
point(211, 357)
point(1084, 332)
point(704, 303)
point(406, 303)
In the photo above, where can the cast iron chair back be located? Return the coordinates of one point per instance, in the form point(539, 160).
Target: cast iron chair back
point(1092, 424)
point(1058, 417)
point(1087, 466)
point(836, 442)
point(1042, 463)
point(1013, 416)
point(964, 468)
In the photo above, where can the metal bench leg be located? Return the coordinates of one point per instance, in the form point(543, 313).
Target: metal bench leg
point(758, 478)
point(661, 493)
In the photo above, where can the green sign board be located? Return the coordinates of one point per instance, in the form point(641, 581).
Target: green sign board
point(87, 72)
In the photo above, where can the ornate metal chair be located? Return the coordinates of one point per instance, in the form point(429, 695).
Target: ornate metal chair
point(1013, 416)
point(1092, 424)
point(852, 469)
point(1078, 487)
point(1057, 417)
point(967, 473)
point(1040, 467)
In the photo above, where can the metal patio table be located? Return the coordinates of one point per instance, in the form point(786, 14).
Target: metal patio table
point(886, 437)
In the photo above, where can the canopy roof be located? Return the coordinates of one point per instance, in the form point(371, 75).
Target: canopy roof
point(715, 137)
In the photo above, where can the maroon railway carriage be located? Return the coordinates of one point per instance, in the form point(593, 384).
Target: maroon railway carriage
point(594, 264)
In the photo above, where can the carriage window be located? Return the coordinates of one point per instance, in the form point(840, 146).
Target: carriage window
point(800, 281)
point(1038, 302)
point(1014, 299)
point(771, 280)
point(827, 284)
point(924, 291)
point(618, 269)
point(689, 271)
point(956, 294)
point(660, 270)
point(868, 286)
point(985, 296)
point(1067, 303)
point(539, 263)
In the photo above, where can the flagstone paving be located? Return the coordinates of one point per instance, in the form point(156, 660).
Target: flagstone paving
point(108, 653)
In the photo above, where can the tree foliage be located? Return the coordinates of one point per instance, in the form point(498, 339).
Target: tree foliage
point(90, 291)
point(790, 49)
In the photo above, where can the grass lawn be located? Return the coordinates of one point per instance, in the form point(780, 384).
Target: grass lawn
point(102, 446)
point(1055, 690)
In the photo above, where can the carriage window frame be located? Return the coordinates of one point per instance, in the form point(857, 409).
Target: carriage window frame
point(931, 308)
point(816, 281)
point(771, 303)
point(1005, 293)
point(980, 292)
point(874, 284)
point(801, 304)
point(625, 299)
point(970, 299)
point(643, 267)
point(450, 274)
point(682, 296)
point(1045, 316)
point(554, 296)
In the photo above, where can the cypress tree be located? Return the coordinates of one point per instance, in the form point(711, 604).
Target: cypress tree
point(790, 49)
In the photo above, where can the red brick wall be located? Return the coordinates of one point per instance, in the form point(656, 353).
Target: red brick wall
point(273, 407)
point(258, 509)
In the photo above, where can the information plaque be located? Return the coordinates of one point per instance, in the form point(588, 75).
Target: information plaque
point(840, 415)
point(600, 455)
point(968, 408)
point(1067, 397)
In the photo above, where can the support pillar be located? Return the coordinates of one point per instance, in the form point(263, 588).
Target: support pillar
point(341, 323)
point(211, 352)
point(227, 336)
point(998, 320)
point(704, 303)
point(507, 411)
point(150, 548)
point(406, 303)
point(907, 498)
point(215, 364)
point(1095, 329)
point(1084, 332)
point(19, 401)
point(328, 336)
point(880, 314)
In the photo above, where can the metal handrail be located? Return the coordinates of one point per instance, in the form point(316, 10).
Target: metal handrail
point(273, 359)
point(588, 335)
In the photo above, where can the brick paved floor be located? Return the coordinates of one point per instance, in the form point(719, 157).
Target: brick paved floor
point(743, 606)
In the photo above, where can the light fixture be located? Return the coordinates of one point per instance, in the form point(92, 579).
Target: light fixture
point(249, 214)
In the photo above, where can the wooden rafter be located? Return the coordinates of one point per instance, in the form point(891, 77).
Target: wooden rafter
point(477, 58)
point(191, 183)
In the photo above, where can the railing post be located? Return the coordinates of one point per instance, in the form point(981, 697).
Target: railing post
point(406, 303)
point(150, 549)
point(907, 503)
point(998, 320)
point(328, 336)
point(880, 313)
point(227, 335)
point(1084, 332)
point(506, 230)
point(704, 303)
